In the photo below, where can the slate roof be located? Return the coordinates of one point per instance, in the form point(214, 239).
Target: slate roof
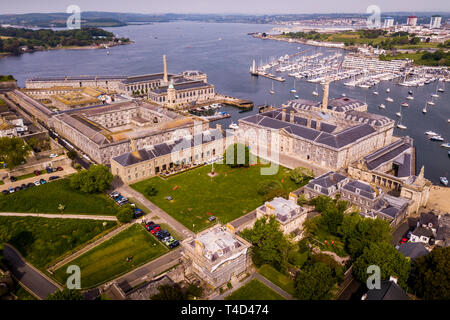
point(343, 104)
point(370, 118)
point(184, 86)
point(326, 181)
point(147, 77)
point(385, 154)
point(413, 250)
point(141, 155)
point(421, 231)
point(389, 291)
point(365, 189)
point(426, 218)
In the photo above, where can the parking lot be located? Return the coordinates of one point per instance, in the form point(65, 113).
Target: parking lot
point(162, 235)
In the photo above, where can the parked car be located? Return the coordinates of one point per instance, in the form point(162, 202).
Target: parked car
point(53, 155)
point(11, 190)
point(174, 244)
point(155, 229)
point(162, 234)
point(148, 224)
point(53, 178)
point(48, 169)
point(43, 181)
point(24, 186)
point(404, 240)
point(122, 201)
point(13, 179)
point(59, 168)
point(37, 183)
point(31, 184)
point(5, 192)
point(168, 240)
point(37, 172)
point(17, 188)
point(114, 194)
point(138, 213)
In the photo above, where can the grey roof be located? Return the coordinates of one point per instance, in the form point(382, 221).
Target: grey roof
point(421, 231)
point(77, 78)
point(346, 137)
point(389, 290)
point(369, 118)
point(131, 158)
point(343, 104)
point(147, 77)
point(365, 189)
point(404, 168)
point(413, 250)
point(184, 86)
point(387, 153)
point(426, 218)
point(326, 181)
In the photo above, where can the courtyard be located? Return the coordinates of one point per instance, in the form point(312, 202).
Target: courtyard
point(194, 197)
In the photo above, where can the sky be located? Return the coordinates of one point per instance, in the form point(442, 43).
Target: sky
point(224, 6)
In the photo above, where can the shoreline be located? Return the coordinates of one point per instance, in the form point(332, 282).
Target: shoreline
point(90, 47)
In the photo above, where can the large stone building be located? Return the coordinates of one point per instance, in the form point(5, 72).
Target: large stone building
point(216, 255)
point(147, 162)
point(332, 134)
point(104, 132)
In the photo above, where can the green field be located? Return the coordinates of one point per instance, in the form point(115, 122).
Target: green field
point(281, 280)
point(108, 260)
point(47, 198)
point(254, 290)
point(228, 196)
point(42, 240)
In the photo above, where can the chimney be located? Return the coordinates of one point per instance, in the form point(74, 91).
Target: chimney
point(326, 88)
point(291, 117)
point(283, 114)
point(165, 69)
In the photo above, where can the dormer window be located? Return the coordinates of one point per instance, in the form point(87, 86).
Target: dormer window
point(317, 188)
point(357, 191)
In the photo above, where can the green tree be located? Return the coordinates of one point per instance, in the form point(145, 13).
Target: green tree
point(66, 294)
point(72, 154)
point(125, 214)
point(430, 278)
point(97, 178)
point(270, 245)
point(151, 191)
point(169, 292)
point(314, 283)
point(385, 256)
point(301, 175)
point(13, 151)
point(237, 155)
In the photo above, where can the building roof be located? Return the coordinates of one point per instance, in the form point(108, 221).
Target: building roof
point(421, 231)
point(343, 104)
point(427, 218)
point(413, 250)
point(185, 85)
point(326, 181)
point(362, 188)
point(389, 291)
point(285, 210)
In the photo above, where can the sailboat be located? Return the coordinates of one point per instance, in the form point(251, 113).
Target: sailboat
point(293, 89)
point(388, 90)
point(315, 93)
point(399, 114)
point(376, 90)
point(441, 89)
point(410, 97)
point(271, 90)
point(399, 124)
point(389, 99)
point(431, 102)
point(424, 110)
point(382, 106)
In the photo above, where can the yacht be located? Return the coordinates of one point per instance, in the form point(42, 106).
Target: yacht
point(444, 180)
point(271, 90)
point(431, 103)
point(388, 90)
point(315, 93)
point(344, 95)
point(431, 133)
point(375, 93)
point(293, 89)
point(296, 96)
point(401, 126)
point(382, 106)
point(410, 97)
point(233, 126)
point(437, 138)
point(445, 145)
point(410, 92)
point(435, 95)
point(389, 99)
point(404, 104)
point(424, 110)
point(398, 114)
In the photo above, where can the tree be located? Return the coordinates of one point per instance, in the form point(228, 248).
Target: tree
point(169, 292)
point(270, 245)
point(430, 278)
point(237, 155)
point(13, 151)
point(301, 175)
point(66, 294)
point(125, 214)
point(151, 191)
point(72, 154)
point(314, 283)
point(385, 256)
point(265, 187)
point(97, 178)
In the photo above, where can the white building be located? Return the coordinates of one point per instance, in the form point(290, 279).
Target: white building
point(412, 21)
point(435, 22)
point(388, 22)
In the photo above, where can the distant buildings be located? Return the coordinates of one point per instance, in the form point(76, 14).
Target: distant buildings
point(412, 21)
point(388, 22)
point(435, 22)
point(216, 255)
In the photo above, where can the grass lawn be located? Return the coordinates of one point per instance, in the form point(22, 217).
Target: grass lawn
point(108, 260)
point(42, 240)
point(322, 236)
point(276, 277)
point(254, 290)
point(228, 196)
point(29, 175)
point(46, 199)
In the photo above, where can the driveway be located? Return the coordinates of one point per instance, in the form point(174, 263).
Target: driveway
point(27, 275)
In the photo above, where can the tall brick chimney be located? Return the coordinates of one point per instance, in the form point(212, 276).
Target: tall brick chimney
point(165, 70)
point(326, 88)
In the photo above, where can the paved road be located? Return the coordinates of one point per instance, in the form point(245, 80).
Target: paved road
point(58, 216)
point(28, 276)
point(149, 270)
point(156, 211)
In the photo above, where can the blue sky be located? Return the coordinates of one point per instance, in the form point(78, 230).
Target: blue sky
point(223, 6)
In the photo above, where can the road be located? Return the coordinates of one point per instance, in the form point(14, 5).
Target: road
point(27, 275)
point(82, 161)
point(58, 216)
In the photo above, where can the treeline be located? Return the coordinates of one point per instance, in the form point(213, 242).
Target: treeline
point(15, 38)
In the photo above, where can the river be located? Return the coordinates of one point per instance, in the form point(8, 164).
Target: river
point(225, 51)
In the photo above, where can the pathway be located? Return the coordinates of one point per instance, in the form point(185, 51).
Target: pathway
point(58, 216)
point(30, 277)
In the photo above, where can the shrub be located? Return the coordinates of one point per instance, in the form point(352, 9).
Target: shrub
point(125, 214)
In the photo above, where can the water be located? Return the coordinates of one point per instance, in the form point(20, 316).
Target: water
point(196, 46)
